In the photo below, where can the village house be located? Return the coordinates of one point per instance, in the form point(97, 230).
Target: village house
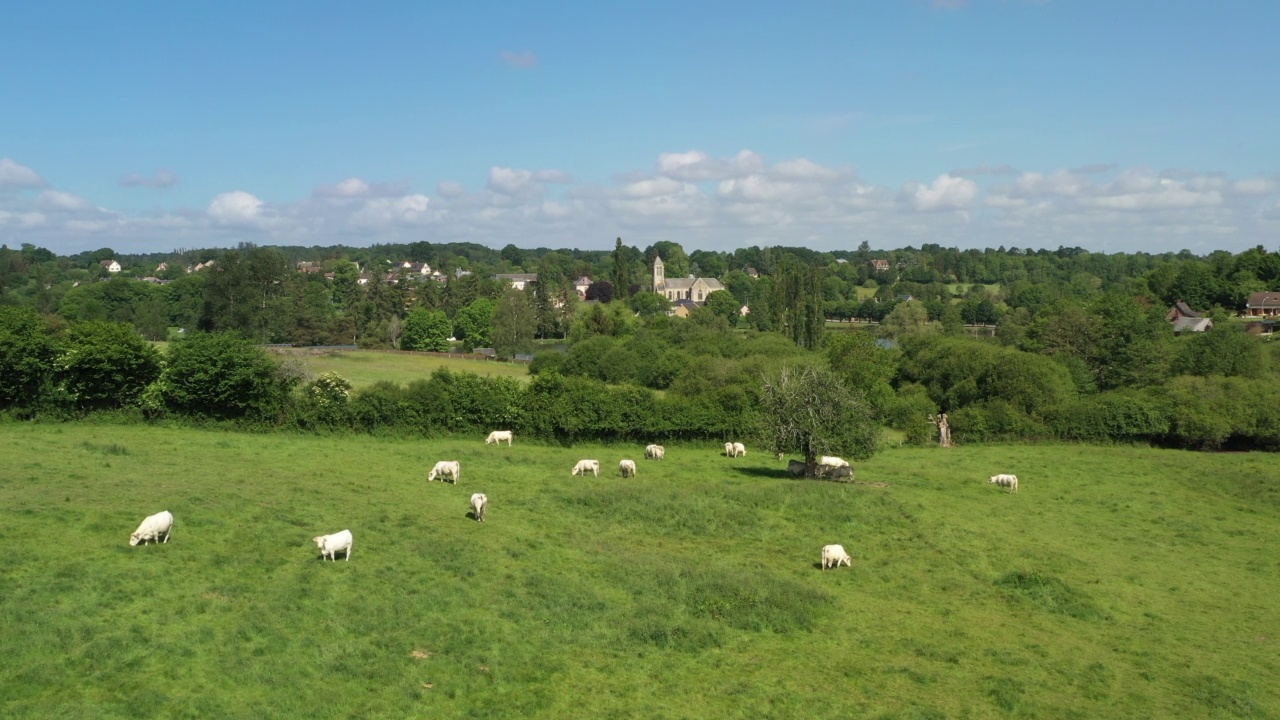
point(1263, 304)
point(691, 288)
point(683, 308)
point(1191, 324)
point(110, 266)
point(581, 285)
point(309, 267)
point(1181, 310)
point(412, 268)
point(518, 280)
point(879, 265)
point(162, 267)
point(752, 272)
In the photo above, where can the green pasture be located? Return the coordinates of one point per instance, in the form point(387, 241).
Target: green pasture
point(1118, 583)
point(962, 288)
point(366, 367)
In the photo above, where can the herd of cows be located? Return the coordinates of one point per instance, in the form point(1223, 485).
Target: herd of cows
point(160, 525)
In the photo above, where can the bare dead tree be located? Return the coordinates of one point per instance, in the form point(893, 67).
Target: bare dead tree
point(944, 429)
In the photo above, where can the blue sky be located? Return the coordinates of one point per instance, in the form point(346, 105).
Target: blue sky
point(1109, 125)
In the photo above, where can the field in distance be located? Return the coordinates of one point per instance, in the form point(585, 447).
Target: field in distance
point(366, 367)
point(1118, 582)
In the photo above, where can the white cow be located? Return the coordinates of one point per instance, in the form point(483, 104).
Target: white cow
point(1009, 482)
point(152, 527)
point(627, 468)
point(331, 545)
point(833, 556)
point(655, 452)
point(497, 436)
point(739, 450)
point(834, 462)
point(451, 469)
point(728, 449)
point(479, 503)
point(584, 465)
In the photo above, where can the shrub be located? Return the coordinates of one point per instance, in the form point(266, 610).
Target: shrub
point(27, 352)
point(223, 376)
point(547, 361)
point(994, 420)
point(105, 365)
point(383, 406)
point(1119, 415)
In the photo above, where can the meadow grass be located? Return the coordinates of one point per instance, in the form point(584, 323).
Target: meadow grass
point(366, 367)
point(1119, 582)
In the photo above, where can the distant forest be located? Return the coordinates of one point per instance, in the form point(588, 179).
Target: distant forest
point(357, 295)
point(1010, 343)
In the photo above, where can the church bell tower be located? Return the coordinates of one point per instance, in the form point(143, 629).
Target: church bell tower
point(659, 274)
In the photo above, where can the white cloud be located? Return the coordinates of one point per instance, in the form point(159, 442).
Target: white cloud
point(509, 181)
point(354, 187)
point(1255, 186)
point(58, 200)
point(803, 169)
point(13, 175)
point(236, 208)
point(701, 201)
point(162, 179)
point(697, 166)
point(947, 192)
point(450, 189)
point(381, 212)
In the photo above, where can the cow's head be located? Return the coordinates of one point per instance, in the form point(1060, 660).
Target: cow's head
point(135, 538)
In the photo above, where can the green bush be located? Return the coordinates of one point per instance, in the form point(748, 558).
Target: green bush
point(382, 407)
point(547, 361)
point(994, 420)
point(105, 365)
point(1119, 415)
point(27, 352)
point(223, 376)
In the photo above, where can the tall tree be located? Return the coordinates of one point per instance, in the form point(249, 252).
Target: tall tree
point(427, 330)
point(622, 270)
point(513, 324)
point(797, 302)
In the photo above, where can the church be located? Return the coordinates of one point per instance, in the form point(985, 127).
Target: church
point(691, 288)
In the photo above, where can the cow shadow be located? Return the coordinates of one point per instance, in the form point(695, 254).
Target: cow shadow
point(763, 472)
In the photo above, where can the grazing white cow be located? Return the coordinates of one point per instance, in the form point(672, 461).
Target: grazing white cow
point(1008, 482)
point(451, 469)
point(833, 556)
point(739, 450)
point(834, 472)
point(331, 545)
point(831, 461)
point(152, 527)
point(584, 465)
point(654, 452)
point(479, 503)
point(728, 449)
point(627, 468)
point(497, 436)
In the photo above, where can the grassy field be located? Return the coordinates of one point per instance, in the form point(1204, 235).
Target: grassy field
point(366, 367)
point(1119, 583)
point(961, 288)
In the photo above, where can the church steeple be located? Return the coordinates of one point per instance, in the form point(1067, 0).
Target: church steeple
point(659, 274)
